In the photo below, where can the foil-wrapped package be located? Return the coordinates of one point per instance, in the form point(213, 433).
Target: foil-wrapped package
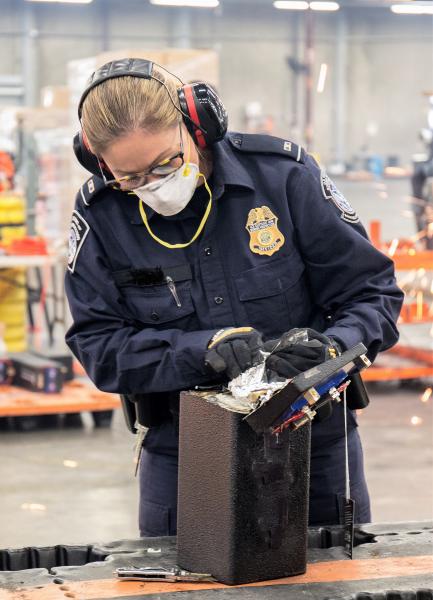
point(248, 391)
point(257, 385)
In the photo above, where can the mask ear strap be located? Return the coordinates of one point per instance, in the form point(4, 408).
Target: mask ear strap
point(187, 170)
point(197, 233)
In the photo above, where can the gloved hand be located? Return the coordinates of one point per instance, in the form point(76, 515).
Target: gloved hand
point(299, 350)
point(234, 350)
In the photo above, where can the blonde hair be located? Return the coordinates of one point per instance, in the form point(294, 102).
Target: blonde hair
point(118, 106)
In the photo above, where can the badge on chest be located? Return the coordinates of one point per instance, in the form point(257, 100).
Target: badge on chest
point(265, 237)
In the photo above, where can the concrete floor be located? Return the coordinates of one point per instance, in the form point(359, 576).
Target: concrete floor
point(94, 500)
point(388, 201)
point(93, 495)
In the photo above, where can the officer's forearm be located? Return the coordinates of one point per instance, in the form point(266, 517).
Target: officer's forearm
point(372, 322)
point(128, 361)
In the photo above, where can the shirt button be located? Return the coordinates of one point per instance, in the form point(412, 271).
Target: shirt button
point(208, 251)
point(154, 316)
point(218, 300)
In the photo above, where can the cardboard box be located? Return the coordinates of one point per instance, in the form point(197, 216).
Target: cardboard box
point(186, 63)
point(6, 371)
point(36, 373)
point(62, 356)
point(55, 96)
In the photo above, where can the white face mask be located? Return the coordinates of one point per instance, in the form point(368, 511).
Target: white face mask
point(169, 196)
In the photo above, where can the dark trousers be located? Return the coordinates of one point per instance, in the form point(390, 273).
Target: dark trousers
point(328, 481)
point(158, 481)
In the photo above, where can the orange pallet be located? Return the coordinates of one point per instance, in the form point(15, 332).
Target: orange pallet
point(405, 255)
point(416, 260)
point(401, 362)
point(331, 573)
point(76, 396)
point(416, 313)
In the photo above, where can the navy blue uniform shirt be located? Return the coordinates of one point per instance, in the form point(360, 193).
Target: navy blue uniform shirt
point(282, 248)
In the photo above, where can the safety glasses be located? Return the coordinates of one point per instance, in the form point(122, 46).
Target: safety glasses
point(164, 168)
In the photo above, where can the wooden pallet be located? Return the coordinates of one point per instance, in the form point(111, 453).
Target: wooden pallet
point(401, 362)
point(76, 396)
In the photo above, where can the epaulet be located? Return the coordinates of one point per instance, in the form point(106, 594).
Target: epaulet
point(90, 189)
point(267, 144)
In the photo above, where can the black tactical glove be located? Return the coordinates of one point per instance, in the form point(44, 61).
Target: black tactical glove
point(299, 350)
point(234, 350)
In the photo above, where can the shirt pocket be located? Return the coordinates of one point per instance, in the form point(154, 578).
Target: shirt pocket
point(160, 306)
point(274, 295)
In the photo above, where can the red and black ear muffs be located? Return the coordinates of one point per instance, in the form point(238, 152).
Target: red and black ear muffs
point(87, 159)
point(202, 111)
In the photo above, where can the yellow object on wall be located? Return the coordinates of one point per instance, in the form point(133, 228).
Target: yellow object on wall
point(12, 218)
point(13, 292)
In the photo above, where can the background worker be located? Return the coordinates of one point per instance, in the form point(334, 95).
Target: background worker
point(191, 248)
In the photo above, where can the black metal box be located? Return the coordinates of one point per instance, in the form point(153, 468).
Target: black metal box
point(61, 355)
point(6, 371)
point(243, 497)
point(36, 373)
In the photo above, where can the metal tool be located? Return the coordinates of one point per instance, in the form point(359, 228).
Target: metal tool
point(141, 434)
point(161, 574)
point(297, 402)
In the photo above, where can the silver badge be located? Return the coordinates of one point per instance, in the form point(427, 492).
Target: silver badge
point(331, 192)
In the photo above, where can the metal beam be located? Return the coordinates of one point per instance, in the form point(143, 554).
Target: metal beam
point(181, 28)
point(340, 96)
point(29, 56)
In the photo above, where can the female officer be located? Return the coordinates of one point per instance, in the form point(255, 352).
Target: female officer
point(190, 248)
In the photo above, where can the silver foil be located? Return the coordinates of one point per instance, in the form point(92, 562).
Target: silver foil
point(248, 391)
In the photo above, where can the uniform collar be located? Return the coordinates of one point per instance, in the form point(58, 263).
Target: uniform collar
point(227, 171)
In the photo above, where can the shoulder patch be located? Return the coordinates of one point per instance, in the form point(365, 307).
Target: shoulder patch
point(267, 144)
point(90, 189)
point(331, 192)
point(77, 234)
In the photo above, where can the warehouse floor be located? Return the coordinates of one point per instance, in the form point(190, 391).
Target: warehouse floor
point(77, 486)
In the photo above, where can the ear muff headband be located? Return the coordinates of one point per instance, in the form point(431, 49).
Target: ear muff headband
point(131, 67)
point(124, 67)
point(202, 111)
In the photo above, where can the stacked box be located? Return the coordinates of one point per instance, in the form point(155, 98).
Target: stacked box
point(6, 370)
point(13, 292)
point(62, 356)
point(12, 217)
point(13, 308)
point(36, 373)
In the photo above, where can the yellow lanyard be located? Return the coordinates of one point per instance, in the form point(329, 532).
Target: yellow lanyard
point(197, 233)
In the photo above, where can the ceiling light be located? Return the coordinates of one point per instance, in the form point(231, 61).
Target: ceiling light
point(64, 1)
point(412, 9)
point(187, 3)
point(291, 4)
point(329, 6)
